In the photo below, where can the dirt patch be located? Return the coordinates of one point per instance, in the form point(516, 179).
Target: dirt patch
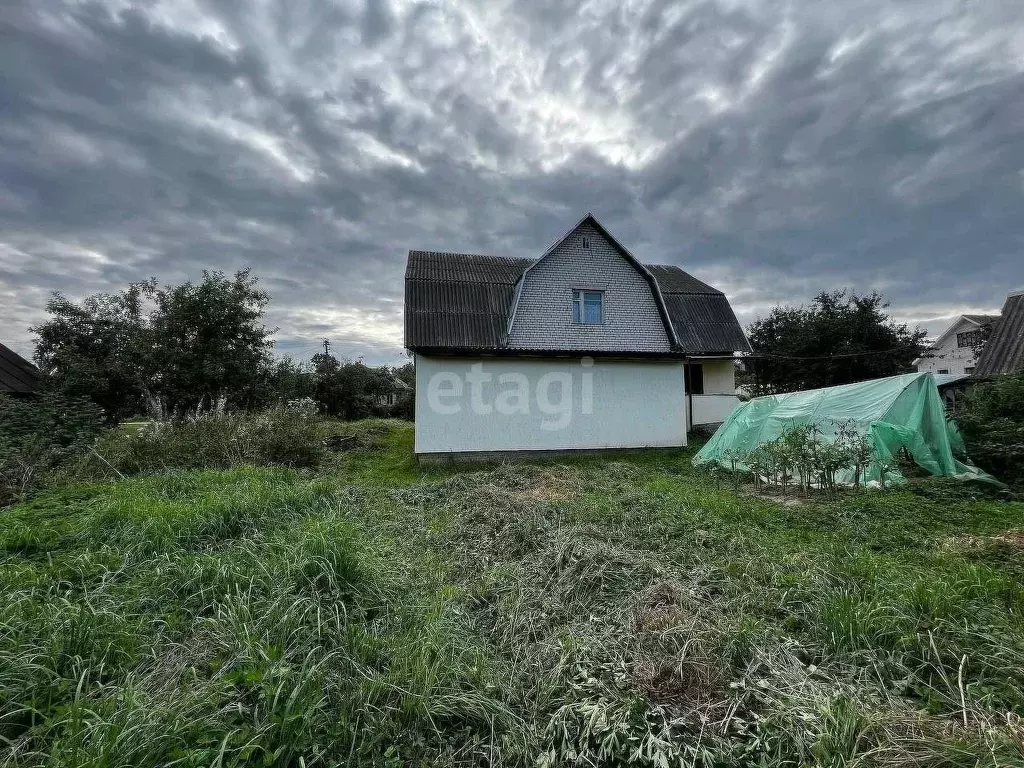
point(659, 607)
point(555, 484)
point(1012, 540)
point(760, 492)
point(694, 682)
point(674, 665)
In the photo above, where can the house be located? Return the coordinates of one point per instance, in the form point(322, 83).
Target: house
point(395, 391)
point(17, 375)
point(955, 352)
point(583, 348)
point(1004, 350)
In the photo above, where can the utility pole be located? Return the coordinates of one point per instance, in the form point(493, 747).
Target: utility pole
point(327, 347)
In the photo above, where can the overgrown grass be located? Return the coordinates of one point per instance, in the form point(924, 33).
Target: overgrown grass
point(598, 612)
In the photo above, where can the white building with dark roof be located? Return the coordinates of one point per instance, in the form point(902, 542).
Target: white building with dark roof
point(955, 352)
point(582, 348)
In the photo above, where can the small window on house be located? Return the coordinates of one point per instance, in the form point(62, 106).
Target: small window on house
point(588, 307)
point(943, 370)
point(693, 378)
point(586, 242)
point(969, 369)
point(968, 339)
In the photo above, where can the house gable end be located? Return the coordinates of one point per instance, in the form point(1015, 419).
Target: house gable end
point(634, 317)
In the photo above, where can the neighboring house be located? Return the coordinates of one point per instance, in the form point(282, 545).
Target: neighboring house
point(955, 352)
point(952, 388)
point(393, 395)
point(17, 375)
point(582, 348)
point(1004, 350)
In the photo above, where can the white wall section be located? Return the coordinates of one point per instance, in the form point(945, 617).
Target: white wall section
point(545, 404)
point(719, 376)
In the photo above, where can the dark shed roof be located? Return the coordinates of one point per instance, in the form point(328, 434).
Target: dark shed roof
point(462, 302)
point(1004, 350)
point(17, 374)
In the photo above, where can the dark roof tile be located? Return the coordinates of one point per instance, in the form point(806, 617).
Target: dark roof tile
point(16, 373)
point(1004, 350)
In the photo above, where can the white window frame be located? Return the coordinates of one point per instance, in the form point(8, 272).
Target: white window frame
point(579, 305)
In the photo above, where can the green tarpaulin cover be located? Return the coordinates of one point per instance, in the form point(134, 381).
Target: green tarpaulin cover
point(892, 413)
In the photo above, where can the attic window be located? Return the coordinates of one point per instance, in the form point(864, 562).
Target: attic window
point(969, 339)
point(586, 242)
point(588, 307)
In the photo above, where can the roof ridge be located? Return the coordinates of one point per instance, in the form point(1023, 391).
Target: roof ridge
point(474, 255)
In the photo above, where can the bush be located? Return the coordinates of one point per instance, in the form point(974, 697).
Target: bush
point(39, 435)
point(287, 436)
point(992, 424)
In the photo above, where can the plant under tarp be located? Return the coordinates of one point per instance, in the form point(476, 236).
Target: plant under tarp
point(894, 413)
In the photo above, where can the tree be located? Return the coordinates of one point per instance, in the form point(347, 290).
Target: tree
point(199, 343)
point(992, 424)
point(839, 339)
point(288, 380)
point(348, 390)
point(97, 349)
point(209, 341)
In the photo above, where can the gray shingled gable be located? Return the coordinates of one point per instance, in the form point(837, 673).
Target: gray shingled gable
point(634, 317)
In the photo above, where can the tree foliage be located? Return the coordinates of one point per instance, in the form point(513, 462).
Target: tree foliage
point(209, 341)
point(839, 339)
point(38, 435)
point(991, 421)
point(349, 390)
point(168, 348)
point(97, 349)
point(173, 350)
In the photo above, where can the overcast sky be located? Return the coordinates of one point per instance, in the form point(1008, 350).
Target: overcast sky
point(773, 149)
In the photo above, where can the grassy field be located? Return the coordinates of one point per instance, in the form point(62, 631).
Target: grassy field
point(594, 613)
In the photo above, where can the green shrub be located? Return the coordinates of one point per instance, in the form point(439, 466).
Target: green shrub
point(992, 424)
point(39, 435)
point(280, 436)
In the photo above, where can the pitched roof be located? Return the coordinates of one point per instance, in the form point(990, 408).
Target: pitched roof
point(461, 301)
point(979, 320)
point(982, 319)
point(16, 373)
point(1004, 350)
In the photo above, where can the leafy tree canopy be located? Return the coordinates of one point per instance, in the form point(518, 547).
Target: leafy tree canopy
point(839, 339)
point(170, 348)
point(349, 390)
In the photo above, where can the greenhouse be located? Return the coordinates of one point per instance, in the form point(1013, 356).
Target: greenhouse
point(882, 420)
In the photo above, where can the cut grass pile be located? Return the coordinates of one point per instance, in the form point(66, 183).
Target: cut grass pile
point(595, 613)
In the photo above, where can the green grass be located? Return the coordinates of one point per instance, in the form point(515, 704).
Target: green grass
point(599, 612)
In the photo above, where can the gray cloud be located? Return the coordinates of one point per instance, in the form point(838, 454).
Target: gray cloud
point(775, 150)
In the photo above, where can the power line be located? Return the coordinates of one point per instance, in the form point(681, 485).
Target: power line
point(840, 356)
